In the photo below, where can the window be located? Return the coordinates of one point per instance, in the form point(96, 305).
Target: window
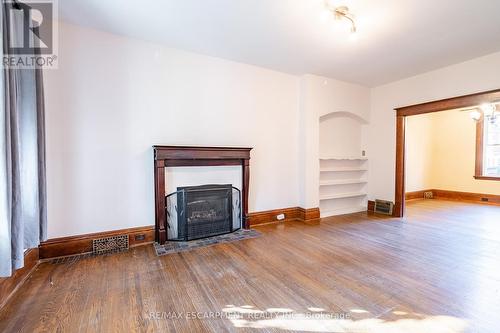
point(488, 149)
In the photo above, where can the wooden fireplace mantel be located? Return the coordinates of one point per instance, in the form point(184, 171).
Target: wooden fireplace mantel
point(177, 156)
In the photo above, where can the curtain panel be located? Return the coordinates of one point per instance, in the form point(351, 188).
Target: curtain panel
point(23, 215)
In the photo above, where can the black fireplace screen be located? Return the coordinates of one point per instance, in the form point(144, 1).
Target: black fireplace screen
point(195, 212)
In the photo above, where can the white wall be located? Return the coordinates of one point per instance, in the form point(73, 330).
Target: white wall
point(342, 134)
point(321, 96)
point(193, 176)
point(339, 136)
point(477, 75)
point(328, 95)
point(113, 97)
point(441, 152)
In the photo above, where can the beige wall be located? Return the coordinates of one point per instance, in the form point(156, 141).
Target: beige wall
point(481, 74)
point(419, 153)
point(441, 154)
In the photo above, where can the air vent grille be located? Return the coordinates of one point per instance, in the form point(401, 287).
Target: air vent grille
point(428, 195)
point(110, 244)
point(383, 207)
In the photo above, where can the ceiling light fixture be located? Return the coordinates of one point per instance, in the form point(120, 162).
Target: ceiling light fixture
point(475, 115)
point(341, 12)
point(488, 110)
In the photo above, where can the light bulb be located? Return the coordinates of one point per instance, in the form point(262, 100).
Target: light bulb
point(475, 115)
point(488, 109)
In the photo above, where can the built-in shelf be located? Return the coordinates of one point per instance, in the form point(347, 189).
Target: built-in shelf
point(342, 182)
point(342, 158)
point(344, 210)
point(342, 195)
point(342, 169)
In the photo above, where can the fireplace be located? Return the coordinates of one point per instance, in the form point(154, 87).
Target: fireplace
point(185, 156)
point(196, 212)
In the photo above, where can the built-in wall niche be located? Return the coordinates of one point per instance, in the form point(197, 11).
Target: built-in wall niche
point(340, 135)
point(343, 164)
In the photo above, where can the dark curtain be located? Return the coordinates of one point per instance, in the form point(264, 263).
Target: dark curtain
point(23, 215)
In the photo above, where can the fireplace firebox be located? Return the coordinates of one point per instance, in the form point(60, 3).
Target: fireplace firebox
point(196, 212)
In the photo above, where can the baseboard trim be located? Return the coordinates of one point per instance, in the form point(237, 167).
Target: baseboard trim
point(270, 216)
point(415, 194)
point(456, 196)
point(466, 196)
point(309, 214)
point(80, 244)
point(8, 286)
point(291, 214)
point(448, 195)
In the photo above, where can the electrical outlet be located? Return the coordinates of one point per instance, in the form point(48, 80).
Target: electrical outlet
point(140, 237)
point(280, 217)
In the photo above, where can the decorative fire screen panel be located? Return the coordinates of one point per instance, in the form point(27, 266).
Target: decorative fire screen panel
point(202, 211)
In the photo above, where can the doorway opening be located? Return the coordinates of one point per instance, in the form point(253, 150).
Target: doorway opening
point(455, 103)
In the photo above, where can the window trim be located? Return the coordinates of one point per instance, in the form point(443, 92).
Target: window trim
point(480, 151)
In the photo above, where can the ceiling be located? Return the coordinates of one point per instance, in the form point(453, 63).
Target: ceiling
point(396, 39)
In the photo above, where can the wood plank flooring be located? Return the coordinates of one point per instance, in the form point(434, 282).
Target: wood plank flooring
point(438, 270)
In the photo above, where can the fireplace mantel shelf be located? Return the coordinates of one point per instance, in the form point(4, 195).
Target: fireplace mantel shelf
point(177, 156)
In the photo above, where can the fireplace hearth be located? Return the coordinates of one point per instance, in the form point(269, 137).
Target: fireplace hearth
point(196, 212)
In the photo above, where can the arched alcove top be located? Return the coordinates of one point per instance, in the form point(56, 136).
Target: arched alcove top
point(337, 114)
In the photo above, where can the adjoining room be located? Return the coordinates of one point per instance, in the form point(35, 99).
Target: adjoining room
point(454, 155)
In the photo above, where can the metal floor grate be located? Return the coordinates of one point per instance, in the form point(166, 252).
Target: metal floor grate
point(110, 244)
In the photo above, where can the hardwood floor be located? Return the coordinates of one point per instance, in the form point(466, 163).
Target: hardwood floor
point(436, 271)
